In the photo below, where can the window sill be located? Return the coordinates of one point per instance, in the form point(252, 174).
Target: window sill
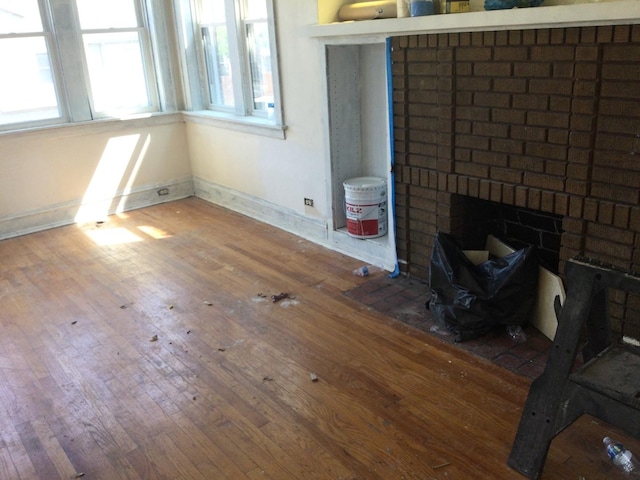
point(72, 129)
point(252, 125)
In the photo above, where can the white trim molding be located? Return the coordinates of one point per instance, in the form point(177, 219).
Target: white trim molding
point(65, 213)
point(312, 229)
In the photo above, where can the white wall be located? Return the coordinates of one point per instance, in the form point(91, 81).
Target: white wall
point(52, 177)
point(281, 172)
point(45, 175)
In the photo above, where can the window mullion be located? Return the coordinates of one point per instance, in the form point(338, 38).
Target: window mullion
point(62, 96)
point(69, 51)
point(238, 54)
point(144, 34)
point(149, 69)
point(275, 71)
point(162, 60)
point(194, 77)
point(58, 77)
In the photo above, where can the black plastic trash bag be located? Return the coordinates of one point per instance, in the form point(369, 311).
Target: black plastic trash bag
point(470, 300)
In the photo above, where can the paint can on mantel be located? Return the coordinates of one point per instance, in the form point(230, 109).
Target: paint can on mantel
point(366, 206)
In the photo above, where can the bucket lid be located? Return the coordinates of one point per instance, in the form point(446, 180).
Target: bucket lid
point(365, 182)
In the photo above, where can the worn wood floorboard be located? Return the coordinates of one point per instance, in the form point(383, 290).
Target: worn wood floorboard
point(148, 347)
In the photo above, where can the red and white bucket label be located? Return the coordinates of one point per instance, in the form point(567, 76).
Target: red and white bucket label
point(366, 220)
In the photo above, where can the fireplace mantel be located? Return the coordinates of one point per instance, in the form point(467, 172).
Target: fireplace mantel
point(556, 16)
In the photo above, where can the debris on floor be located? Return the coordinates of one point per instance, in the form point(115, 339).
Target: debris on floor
point(516, 333)
point(366, 270)
point(314, 377)
point(277, 298)
point(154, 338)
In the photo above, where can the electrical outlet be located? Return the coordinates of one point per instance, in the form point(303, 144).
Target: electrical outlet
point(308, 202)
point(163, 191)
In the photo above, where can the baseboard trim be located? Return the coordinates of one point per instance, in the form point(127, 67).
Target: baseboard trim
point(66, 213)
point(311, 229)
point(376, 251)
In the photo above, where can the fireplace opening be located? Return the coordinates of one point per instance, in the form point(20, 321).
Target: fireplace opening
point(518, 227)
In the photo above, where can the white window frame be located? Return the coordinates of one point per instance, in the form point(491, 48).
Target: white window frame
point(143, 32)
point(63, 37)
point(241, 116)
point(49, 40)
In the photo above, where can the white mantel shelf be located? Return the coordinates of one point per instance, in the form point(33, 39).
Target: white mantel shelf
point(574, 15)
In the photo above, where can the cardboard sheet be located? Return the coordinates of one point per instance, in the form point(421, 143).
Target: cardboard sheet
point(476, 256)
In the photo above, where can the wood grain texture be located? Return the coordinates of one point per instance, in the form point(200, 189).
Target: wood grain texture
point(224, 391)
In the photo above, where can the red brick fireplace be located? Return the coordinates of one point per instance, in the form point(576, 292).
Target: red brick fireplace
point(547, 120)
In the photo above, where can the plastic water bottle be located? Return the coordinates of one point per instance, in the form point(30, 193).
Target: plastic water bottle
point(620, 456)
point(365, 270)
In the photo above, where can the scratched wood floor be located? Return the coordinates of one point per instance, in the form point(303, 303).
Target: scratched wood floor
point(225, 390)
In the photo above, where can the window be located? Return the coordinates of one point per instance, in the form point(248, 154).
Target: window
point(116, 51)
point(27, 88)
point(238, 51)
point(66, 60)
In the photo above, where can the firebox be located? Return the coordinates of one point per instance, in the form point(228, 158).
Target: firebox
point(517, 227)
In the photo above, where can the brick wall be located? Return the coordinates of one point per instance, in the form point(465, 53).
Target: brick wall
point(543, 119)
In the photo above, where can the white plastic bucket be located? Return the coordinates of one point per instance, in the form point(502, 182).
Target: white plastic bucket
point(366, 207)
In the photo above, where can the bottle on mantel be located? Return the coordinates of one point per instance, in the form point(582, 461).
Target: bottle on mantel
point(456, 6)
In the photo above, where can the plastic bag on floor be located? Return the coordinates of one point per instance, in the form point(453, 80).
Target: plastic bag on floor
point(470, 300)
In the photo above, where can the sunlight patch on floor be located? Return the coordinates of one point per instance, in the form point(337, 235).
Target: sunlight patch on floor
point(113, 236)
point(154, 232)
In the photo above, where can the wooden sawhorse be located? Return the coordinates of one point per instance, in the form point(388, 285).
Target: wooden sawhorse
point(607, 386)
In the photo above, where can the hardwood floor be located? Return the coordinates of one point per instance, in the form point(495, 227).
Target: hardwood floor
point(148, 347)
